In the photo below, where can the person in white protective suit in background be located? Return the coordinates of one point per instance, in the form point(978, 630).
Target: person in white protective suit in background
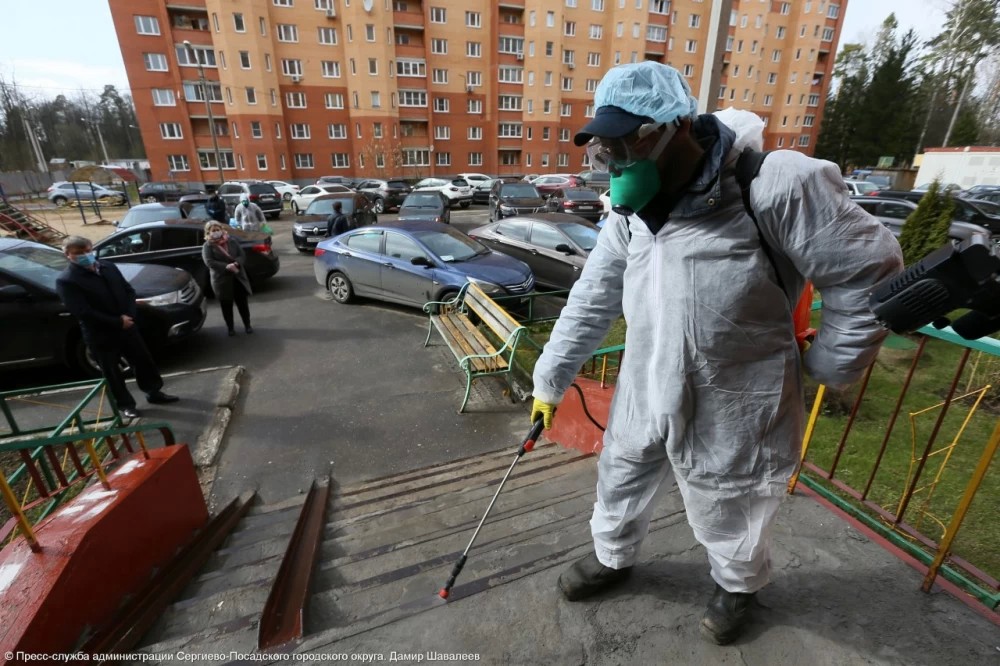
point(710, 385)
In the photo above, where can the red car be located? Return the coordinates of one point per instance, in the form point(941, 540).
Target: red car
point(547, 185)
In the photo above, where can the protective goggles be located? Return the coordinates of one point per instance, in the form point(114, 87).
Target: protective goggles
point(615, 155)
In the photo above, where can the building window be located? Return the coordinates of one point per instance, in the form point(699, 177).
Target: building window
point(656, 33)
point(780, 32)
point(299, 131)
point(507, 74)
point(814, 99)
point(596, 31)
point(509, 102)
point(291, 67)
point(350, 32)
point(475, 133)
point(568, 57)
point(287, 33)
point(251, 95)
point(591, 85)
point(510, 130)
point(178, 163)
point(439, 46)
point(255, 130)
point(413, 98)
point(475, 159)
point(331, 69)
point(474, 49)
point(688, 70)
point(376, 99)
point(267, 61)
point(147, 25)
point(546, 106)
point(324, 4)
point(295, 100)
point(416, 157)
point(206, 159)
point(768, 100)
point(239, 25)
point(512, 45)
point(808, 121)
point(565, 109)
point(567, 83)
point(442, 132)
point(245, 59)
point(171, 131)
point(691, 46)
point(828, 34)
point(443, 159)
point(202, 54)
point(569, 28)
point(163, 97)
point(659, 6)
point(439, 15)
point(597, 5)
point(439, 76)
point(412, 68)
point(377, 130)
point(373, 66)
point(340, 160)
point(786, 7)
point(475, 106)
point(261, 162)
point(772, 78)
point(327, 36)
point(473, 20)
point(510, 158)
point(155, 62)
point(474, 79)
point(776, 55)
point(832, 12)
point(804, 140)
point(442, 105)
point(336, 131)
point(563, 160)
point(333, 100)
point(593, 59)
point(401, 38)
point(304, 161)
point(545, 159)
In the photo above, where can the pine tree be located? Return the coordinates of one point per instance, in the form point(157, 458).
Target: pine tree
point(926, 229)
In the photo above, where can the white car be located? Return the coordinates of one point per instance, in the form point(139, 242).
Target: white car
point(456, 190)
point(286, 190)
point(304, 197)
point(860, 187)
point(474, 179)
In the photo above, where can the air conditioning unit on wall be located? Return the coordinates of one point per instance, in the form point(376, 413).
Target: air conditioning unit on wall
point(520, 56)
point(331, 13)
point(296, 78)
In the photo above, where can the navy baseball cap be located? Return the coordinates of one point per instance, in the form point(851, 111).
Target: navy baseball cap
point(610, 122)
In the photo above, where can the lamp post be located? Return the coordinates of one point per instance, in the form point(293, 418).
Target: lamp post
point(100, 138)
point(208, 108)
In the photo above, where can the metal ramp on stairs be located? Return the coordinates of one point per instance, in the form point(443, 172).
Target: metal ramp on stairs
point(20, 224)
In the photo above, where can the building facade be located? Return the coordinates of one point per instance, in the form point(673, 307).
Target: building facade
point(297, 89)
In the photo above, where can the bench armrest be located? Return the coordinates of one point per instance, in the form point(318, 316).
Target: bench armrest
point(510, 342)
point(428, 306)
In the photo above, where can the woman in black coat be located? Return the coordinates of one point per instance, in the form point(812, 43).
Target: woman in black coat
point(225, 260)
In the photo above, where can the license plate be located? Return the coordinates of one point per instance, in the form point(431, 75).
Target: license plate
point(267, 197)
point(314, 239)
point(587, 208)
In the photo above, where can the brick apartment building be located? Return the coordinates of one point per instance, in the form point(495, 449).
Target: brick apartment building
point(304, 88)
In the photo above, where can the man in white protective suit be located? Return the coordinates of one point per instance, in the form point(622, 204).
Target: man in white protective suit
point(711, 382)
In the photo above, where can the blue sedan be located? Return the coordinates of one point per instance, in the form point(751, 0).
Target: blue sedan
point(414, 262)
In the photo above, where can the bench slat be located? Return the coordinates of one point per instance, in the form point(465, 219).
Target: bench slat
point(458, 343)
point(502, 323)
point(482, 345)
point(491, 318)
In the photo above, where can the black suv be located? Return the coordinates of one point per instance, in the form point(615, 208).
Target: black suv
point(178, 243)
point(385, 194)
point(169, 191)
point(508, 199)
point(257, 191)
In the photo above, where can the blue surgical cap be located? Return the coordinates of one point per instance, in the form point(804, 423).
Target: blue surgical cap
point(649, 89)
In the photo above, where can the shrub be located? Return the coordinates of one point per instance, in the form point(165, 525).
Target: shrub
point(926, 229)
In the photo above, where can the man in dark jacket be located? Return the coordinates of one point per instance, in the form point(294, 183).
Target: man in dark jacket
point(216, 208)
point(104, 303)
point(337, 223)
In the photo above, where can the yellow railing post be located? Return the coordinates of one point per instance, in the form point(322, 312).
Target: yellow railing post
point(11, 501)
point(98, 467)
point(963, 507)
point(810, 426)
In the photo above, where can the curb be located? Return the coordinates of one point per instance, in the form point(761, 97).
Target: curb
point(210, 441)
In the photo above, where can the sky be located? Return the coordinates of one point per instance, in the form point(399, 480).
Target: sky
point(80, 50)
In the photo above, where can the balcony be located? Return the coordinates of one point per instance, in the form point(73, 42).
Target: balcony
point(516, 5)
point(411, 18)
point(188, 19)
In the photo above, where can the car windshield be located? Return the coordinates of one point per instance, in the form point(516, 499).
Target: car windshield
point(422, 201)
point(396, 184)
point(519, 190)
point(325, 206)
point(141, 216)
point(583, 236)
point(581, 195)
point(197, 211)
point(451, 245)
point(38, 265)
point(865, 187)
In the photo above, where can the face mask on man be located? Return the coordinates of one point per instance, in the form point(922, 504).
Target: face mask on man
point(85, 260)
point(635, 185)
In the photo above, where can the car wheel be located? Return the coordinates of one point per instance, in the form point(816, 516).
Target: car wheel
point(464, 204)
point(287, 196)
point(149, 198)
point(340, 287)
point(85, 362)
point(296, 209)
point(446, 296)
point(380, 205)
point(60, 200)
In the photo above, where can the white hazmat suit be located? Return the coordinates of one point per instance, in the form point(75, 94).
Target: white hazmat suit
point(710, 385)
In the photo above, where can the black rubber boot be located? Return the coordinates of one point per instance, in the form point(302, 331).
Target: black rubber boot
point(588, 576)
point(727, 614)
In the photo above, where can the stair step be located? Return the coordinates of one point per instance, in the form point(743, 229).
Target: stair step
point(261, 509)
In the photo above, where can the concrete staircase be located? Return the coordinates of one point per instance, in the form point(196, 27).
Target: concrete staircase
point(388, 547)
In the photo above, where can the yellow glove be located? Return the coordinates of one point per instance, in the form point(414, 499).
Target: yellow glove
point(543, 410)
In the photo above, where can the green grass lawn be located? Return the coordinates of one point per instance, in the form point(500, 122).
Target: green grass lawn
point(979, 539)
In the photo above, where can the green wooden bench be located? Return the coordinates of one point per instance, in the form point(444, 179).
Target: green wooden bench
point(476, 354)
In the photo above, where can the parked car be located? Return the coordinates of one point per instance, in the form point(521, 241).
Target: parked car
point(257, 191)
point(39, 331)
point(63, 192)
point(554, 245)
point(893, 213)
point(548, 184)
point(336, 180)
point(385, 194)
point(425, 207)
point(481, 191)
point(508, 198)
point(286, 190)
point(600, 179)
point(945, 187)
point(474, 179)
point(965, 210)
point(153, 191)
point(457, 190)
point(860, 187)
point(976, 191)
point(152, 212)
point(906, 195)
point(581, 201)
point(195, 206)
point(991, 197)
point(177, 243)
point(310, 227)
point(413, 263)
point(305, 196)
